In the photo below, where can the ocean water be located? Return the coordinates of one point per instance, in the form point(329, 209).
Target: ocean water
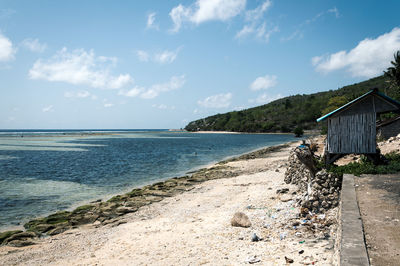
point(45, 171)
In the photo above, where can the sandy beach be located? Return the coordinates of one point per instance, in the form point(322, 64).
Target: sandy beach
point(194, 227)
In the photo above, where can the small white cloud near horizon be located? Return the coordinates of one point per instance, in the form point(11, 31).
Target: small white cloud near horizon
point(7, 51)
point(263, 83)
point(153, 91)
point(163, 106)
point(49, 108)
point(34, 45)
point(221, 100)
point(151, 18)
point(265, 98)
point(79, 67)
point(368, 59)
point(205, 10)
point(108, 105)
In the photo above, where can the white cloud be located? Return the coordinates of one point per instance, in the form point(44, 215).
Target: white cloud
point(265, 98)
point(216, 101)
point(163, 106)
point(334, 11)
point(7, 51)
point(299, 32)
point(258, 12)
point(166, 56)
point(78, 94)
point(142, 55)
point(153, 91)
point(151, 18)
point(108, 105)
point(131, 93)
point(368, 59)
point(34, 45)
point(79, 68)
point(206, 10)
point(263, 83)
point(255, 25)
point(49, 108)
point(260, 32)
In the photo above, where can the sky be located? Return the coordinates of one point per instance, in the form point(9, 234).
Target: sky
point(160, 64)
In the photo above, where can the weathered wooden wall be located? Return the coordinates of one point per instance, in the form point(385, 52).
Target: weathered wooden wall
point(354, 133)
point(390, 130)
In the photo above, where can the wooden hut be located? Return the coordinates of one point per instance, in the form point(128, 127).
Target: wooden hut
point(352, 127)
point(388, 128)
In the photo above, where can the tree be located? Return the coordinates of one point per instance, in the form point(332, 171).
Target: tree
point(393, 72)
point(334, 103)
point(298, 132)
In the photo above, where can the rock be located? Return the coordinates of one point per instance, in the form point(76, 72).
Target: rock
point(20, 236)
point(7, 234)
point(286, 198)
point(288, 260)
point(255, 238)
point(252, 260)
point(282, 191)
point(240, 219)
point(58, 230)
point(20, 243)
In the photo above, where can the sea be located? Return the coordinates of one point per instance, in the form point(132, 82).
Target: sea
point(44, 171)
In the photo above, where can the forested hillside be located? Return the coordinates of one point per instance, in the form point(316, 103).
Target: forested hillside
point(285, 114)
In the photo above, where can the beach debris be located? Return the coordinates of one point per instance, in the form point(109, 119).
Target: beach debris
point(240, 219)
point(252, 260)
point(301, 251)
point(283, 235)
point(255, 238)
point(288, 260)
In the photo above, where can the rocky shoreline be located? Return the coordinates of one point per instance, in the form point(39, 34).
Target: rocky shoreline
point(100, 213)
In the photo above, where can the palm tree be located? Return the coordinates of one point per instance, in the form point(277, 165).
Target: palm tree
point(393, 72)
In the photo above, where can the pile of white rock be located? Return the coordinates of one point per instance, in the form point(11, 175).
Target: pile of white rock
point(317, 191)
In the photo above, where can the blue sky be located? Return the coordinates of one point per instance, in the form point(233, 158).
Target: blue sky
point(160, 64)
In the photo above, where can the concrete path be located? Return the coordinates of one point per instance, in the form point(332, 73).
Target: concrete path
point(353, 250)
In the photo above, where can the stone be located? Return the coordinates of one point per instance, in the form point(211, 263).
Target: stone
point(240, 219)
point(7, 234)
point(20, 243)
point(282, 191)
point(286, 198)
point(255, 238)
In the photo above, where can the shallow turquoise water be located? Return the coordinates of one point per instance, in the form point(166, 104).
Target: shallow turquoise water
point(42, 172)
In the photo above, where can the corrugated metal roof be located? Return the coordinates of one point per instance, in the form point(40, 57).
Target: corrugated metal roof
point(374, 91)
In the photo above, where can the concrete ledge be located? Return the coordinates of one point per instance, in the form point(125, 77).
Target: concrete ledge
point(352, 246)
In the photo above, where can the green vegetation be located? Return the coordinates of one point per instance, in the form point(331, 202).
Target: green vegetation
point(285, 114)
point(393, 73)
point(367, 167)
point(298, 132)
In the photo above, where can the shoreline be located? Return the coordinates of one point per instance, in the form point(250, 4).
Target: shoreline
point(184, 174)
point(194, 219)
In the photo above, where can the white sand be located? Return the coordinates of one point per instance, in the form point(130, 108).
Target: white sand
point(193, 228)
